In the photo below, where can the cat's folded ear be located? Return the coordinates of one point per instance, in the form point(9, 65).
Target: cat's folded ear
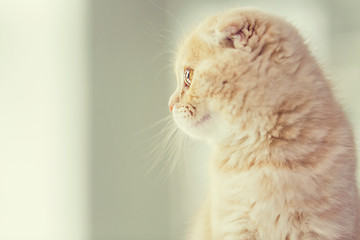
point(230, 37)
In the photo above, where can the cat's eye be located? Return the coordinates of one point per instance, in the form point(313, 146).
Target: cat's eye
point(188, 75)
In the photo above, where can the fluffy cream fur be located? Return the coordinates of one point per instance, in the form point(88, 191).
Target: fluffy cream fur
point(283, 162)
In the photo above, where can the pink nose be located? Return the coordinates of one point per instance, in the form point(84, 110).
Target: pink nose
point(173, 99)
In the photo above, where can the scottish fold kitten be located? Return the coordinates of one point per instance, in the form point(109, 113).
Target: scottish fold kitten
point(283, 160)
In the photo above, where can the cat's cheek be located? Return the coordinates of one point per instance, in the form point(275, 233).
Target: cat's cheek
point(182, 117)
point(199, 126)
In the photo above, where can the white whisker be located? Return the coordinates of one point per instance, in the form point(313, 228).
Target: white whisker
point(157, 123)
point(166, 147)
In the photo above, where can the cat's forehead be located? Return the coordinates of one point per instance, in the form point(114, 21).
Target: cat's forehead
point(217, 34)
point(193, 50)
point(204, 38)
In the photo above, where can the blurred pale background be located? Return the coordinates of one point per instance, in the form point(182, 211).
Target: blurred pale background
point(79, 79)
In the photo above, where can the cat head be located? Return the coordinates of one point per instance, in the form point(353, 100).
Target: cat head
point(232, 71)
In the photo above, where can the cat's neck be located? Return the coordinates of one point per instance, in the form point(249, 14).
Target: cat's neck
point(241, 151)
point(290, 147)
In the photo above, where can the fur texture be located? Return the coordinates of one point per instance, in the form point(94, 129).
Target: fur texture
point(283, 162)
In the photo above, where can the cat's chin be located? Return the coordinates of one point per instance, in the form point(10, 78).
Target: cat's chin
point(202, 120)
point(205, 127)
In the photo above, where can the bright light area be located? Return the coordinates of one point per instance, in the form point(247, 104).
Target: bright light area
point(43, 123)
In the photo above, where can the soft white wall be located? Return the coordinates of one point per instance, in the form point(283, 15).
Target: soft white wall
point(43, 120)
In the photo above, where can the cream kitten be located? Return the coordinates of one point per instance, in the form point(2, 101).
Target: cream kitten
point(283, 162)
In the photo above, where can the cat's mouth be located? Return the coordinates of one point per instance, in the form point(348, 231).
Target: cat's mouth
point(202, 120)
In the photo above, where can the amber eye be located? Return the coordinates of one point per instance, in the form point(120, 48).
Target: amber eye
point(188, 75)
